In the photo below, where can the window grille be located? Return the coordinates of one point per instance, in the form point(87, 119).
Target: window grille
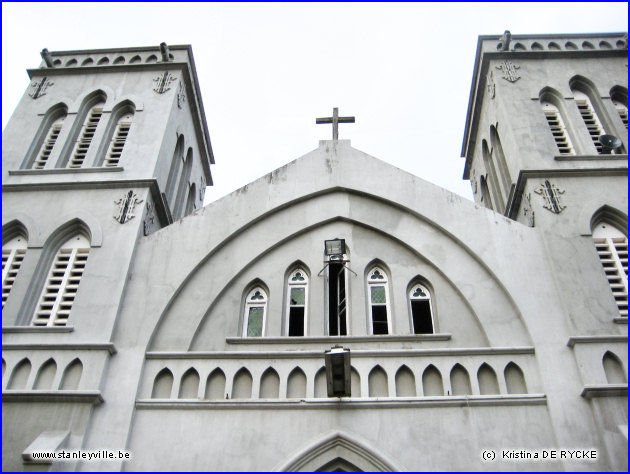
point(62, 283)
point(118, 141)
point(558, 129)
point(87, 135)
point(49, 144)
point(594, 126)
point(13, 253)
point(612, 249)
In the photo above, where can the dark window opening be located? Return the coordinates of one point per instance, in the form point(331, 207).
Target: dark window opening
point(336, 300)
point(296, 321)
point(379, 320)
point(421, 314)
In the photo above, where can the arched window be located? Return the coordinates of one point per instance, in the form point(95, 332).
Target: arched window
point(491, 171)
point(13, 253)
point(485, 193)
point(86, 135)
point(191, 202)
point(619, 97)
point(557, 127)
point(173, 174)
point(591, 120)
point(49, 143)
point(118, 138)
point(421, 311)
point(255, 313)
point(62, 283)
point(500, 159)
point(378, 293)
point(297, 298)
point(612, 249)
point(46, 137)
point(182, 188)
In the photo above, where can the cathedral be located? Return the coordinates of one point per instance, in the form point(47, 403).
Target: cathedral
point(337, 314)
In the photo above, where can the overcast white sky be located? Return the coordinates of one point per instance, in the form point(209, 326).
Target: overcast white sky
point(267, 70)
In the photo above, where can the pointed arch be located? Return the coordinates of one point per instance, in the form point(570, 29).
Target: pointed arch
point(613, 368)
point(269, 384)
point(405, 382)
point(83, 130)
point(189, 385)
point(377, 382)
point(13, 253)
point(338, 449)
point(242, 384)
point(163, 384)
point(182, 187)
point(432, 385)
point(215, 385)
point(320, 385)
point(20, 375)
point(255, 310)
point(46, 137)
point(552, 104)
point(173, 173)
point(501, 161)
point(72, 375)
point(62, 282)
point(514, 379)
point(460, 381)
point(619, 98)
point(116, 134)
point(296, 384)
point(487, 378)
point(297, 280)
point(355, 383)
point(491, 171)
point(46, 375)
point(377, 282)
point(192, 199)
point(611, 244)
point(421, 312)
point(589, 103)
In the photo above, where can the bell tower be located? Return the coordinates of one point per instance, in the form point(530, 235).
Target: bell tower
point(547, 126)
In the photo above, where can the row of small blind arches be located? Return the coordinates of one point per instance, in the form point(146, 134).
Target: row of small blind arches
point(405, 383)
point(105, 61)
point(569, 45)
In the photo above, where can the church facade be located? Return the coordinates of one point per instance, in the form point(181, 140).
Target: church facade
point(139, 325)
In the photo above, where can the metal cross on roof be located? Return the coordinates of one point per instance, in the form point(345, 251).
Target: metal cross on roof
point(335, 120)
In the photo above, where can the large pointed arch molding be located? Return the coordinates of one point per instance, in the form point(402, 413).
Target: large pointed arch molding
point(335, 446)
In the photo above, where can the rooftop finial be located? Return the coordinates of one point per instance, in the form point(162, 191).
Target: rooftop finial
point(505, 40)
point(47, 58)
point(164, 51)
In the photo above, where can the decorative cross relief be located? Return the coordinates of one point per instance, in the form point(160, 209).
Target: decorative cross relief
point(551, 193)
point(40, 87)
point(181, 95)
point(126, 205)
point(508, 68)
point(163, 82)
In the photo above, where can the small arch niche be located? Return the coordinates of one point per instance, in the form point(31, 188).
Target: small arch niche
point(613, 369)
point(215, 385)
point(189, 386)
point(355, 383)
point(488, 384)
point(296, 384)
point(377, 382)
point(242, 386)
point(432, 385)
point(537, 46)
point(163, 384)
point(269, 384)
point(553, 46)
point(72, 375)
point(514, 379)
point(20, 375)
point(460, 381)
point(570, 45)
point(321, 390)
point(46, 375)
point(405, 382)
